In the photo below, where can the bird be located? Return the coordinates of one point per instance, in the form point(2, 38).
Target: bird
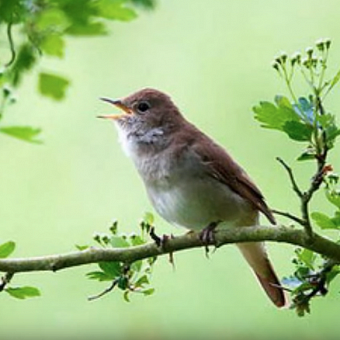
point(192, 181)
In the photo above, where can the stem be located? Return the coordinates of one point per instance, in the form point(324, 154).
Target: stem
point(128, 255)
point(291, 177)
point(11, 45)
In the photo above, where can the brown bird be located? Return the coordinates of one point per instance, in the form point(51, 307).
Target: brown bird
point(191, 181)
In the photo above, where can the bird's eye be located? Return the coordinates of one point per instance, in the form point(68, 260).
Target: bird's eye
point(143, 107)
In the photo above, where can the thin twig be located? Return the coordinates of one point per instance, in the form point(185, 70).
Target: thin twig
point(291, 176)
point(290, 216)
point(104, 292)
point(11, 45)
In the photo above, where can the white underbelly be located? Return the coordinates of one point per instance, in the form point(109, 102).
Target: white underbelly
point(195, 203)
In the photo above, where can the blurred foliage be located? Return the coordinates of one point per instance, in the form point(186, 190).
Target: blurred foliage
point(37, 28)
point(307, 120)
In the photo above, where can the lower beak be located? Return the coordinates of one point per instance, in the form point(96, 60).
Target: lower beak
point(120, 105)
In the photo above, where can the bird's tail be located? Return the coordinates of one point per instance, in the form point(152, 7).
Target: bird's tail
point(256, 256)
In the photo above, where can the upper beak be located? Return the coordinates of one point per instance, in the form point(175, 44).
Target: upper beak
point(120, 105)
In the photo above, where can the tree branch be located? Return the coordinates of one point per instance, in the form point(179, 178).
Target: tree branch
point(282, 234)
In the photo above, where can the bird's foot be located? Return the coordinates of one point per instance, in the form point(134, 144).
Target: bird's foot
point(161, 243)
point(207, 236)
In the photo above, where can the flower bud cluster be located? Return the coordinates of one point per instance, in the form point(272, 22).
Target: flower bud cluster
point(310, 60)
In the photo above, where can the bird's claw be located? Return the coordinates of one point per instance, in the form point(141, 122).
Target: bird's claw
point(161, 243)
point(207, 236)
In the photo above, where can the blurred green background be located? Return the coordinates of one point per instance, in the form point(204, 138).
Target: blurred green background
point(214, 59)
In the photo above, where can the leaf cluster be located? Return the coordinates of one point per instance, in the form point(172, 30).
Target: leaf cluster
point(37, 28)
point(307, 120)
point(18, 292)
point(128, 277)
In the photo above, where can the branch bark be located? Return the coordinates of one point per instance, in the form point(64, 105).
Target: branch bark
point(281, 234)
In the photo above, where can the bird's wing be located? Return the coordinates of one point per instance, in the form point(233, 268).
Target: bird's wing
point(223, 168)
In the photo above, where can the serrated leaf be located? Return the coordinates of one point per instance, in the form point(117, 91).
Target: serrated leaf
point(274, 117)
point(323, 221)
point(282, 102)
point(6, 249)
point(112, 269)
point(52, 86)
point(119, 242)
point(53, 45)
point(98, 275)
point(298, 131)
point(23, 292)
point(115, 10)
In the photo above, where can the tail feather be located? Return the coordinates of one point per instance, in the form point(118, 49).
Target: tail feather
point(257, 258)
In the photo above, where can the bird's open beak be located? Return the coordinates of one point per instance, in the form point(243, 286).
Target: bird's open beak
point(120, 105)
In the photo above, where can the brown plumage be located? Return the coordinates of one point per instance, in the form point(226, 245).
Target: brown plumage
point(190, 180)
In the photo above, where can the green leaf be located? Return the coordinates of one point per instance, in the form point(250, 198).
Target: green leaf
point(26, 133)
point(323, 221)
point(148, 292)
point(306, 156)
point(53, 45)
point(119, 242)
point(137, 265)
point(82, 247)
point(148, 4)
point(112, 269)
point(88, 29)
point(334, 81)
point(51, 20)
point(142, 281)
point(24, 61)
point(100, 276)
point(126, 296)
point(23, 292)
point(115, 10)
point(136, 240)
point(13, 11)
point(52, 86)
point(333, 197)
point(6, 249)
point(149, 218)
point(298, 131)
point(307, 257)
point(275, 117)
point(123, 282)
